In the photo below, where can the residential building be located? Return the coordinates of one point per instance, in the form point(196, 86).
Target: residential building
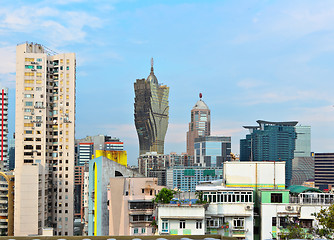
point(212, 151)
point(230, 210)
point(79, 181)
point(44, 141)
point(151, 113)
point(271, 141)
point(101, 169)
point(187, 178)
point(200, 124)
point(152, 161)
point(4, 128)
point(323, 170)
point(6, 204)
point(182, 159)
point(131, 206)
point(181, 219)
point(279, 207)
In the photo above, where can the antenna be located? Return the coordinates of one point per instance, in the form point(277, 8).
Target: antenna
point(152, 62)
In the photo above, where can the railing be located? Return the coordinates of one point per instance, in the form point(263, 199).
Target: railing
point(312, 200)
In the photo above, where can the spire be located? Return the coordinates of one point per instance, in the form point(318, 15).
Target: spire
point(152, 62)
point(200, 96)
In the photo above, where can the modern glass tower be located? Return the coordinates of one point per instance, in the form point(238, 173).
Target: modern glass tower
point(270, 141)
point(151, 113)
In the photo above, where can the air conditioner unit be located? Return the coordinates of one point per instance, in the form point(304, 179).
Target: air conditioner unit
point(289, 208)
point(248, 207)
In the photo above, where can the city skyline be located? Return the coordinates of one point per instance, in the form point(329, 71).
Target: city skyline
point(251, 60)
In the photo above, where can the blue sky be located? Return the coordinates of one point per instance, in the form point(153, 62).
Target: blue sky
point(270, 60)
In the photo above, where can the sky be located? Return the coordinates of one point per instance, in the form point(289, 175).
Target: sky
point(270, 60)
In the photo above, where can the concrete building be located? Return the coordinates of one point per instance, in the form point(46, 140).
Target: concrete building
point(270, 141)
point(11, 155)
point(4, 128)
point(79, 181)
point(255, 174)
point(44, 140)
point(200, 124)
point(130, 205)
point(6, 204)
point(101, 169)
point(182, 159)
point(212, 151)
point(152, 161)
point(181, 219)
point(323, 170)
point(277, 207)
point(230, 211)
point(187, 178)
point(151, 113)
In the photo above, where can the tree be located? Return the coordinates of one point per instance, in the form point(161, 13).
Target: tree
point(326, 221)
point(293, 230)
point(164, 196)
point(199, 195)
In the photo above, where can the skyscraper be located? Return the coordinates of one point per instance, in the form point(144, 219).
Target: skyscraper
point(270, 141)
point(4, 128)
point(151, 113)
point(44, 140)
point(199, 125)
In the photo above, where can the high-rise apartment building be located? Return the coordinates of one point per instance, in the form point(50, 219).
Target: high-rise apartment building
point(151, 113)
point(4, 128)
point(199, 125)
point(270, 141)
point(44, 140)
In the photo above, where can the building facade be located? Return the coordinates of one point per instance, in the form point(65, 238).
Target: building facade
point(271, 141)
point(101, 169)
point(152, 161)
point(151, 112)
point(44, 140)
point(187, 178)
point(131, 205)
point(4, 129)
point(323, 170)
point(212, 151)
point(200, 124)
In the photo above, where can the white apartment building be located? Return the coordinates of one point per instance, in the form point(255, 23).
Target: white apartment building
point(230, 211)
point(181, 219)
point(4, 128)
point(44, 140)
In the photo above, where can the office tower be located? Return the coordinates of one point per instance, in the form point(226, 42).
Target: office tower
point(4, 128)
point(187, 178)
point(212, 151)
point(303, 162)
point(88, 146)
point(324, 170)
point(199, 125)
point(271, 141)
point(151, 113)
point(44, 141)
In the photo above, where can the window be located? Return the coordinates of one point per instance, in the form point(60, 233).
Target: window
point(39, 59)
point(273, 221)
point(28, 124)
point(276, 198)
point(135, 230)
point(38, 82)
point(31, 74)
point(67, 68)
point(28, 89)
point(28, 132)
point(38, 89)
point(164, 226)
point(28, 81)
point(28, 110)
point(198, 224)
point(143, 230)
point(239, 223)
point(29, 59)
point(27, 117)
point(39, 67)
point(38, 74)
point(182, 224)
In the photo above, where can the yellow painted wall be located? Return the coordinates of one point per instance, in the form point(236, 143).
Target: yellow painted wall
point(120, 157)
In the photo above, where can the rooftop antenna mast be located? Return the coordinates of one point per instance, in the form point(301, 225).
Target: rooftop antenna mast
point(152, 63)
